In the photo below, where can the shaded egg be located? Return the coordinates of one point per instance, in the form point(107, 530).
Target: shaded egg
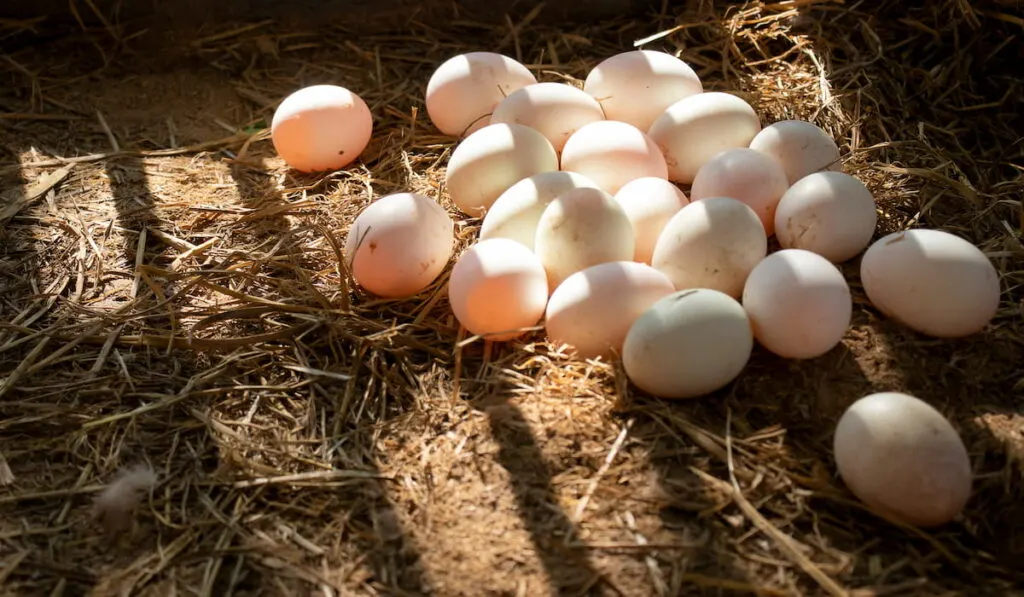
point(800, 146)
point(399, 244)
point(637, 86)
point(649, 204)
point(462, 93)
point(498, 289)
point(593, 309)
point(486, 163)
point(688, 344)
point(693, 130)
point(612, 153)
point(903, 459)
point(830, 213)
point(321, 127)
point(556, 110)
point(745, 175)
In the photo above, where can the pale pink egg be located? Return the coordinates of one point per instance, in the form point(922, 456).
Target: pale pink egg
point(747, 175)
point(612, 153)
point(321, 127)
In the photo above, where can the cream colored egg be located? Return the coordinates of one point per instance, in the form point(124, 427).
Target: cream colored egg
point(688, 344)
point(321, 127)
point(498, 289)
point(746, 175)
point(931, 281)
point(593, 309)
point(798, 303)
point(557, 110)
point(800, 146)
point(830, 213)
point(486, 163)
point(903, 459)
point(581, 228)
point(713, 243)
point(649, 203)
point(612, 153)
point(517, 211)
point(463, 91)
point(693, 130)
point(637, 86)
point(399, 244)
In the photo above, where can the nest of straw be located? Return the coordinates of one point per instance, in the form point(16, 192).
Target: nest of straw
point(172, 300)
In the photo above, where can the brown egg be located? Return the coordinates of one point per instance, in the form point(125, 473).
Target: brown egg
point(902, 458)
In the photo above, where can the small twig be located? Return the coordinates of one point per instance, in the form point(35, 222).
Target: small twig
point(592, 486)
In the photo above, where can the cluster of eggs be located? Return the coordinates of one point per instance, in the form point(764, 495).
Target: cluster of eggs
point(585, 229)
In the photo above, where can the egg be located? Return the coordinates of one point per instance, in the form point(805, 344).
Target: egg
point(931, 281)
point(649, 203)
point(693, 130)
point(688, 344)
point(399, 244)
point(580, 228)
point(557, 110)
point(746, 175)
point(463, 91)
point(903, 459)
point(712, 243)
point(830, 213)
point(486, 163)
point(321, 127)
point(498, 289)
point(798, 303)
point(637, 86)
point(612, 153)
point(593, 309)
point(517, 211)
point(800, 146)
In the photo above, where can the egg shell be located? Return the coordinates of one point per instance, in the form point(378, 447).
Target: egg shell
point(745, 175)
point(693, 130)
point(612, 153)
point(321, 127)
point(486, 163)
point(903, 459)
point(637, 86)
point(557, 110)
point(462, 93)
point(830, 213)
point(800, 146)
point(688, 344)
point(580, 228)
point(931, 281)
point(593, 309)
point(497, 289)
point(399, 244)
point(713, 243)
point(517, 211)
point(799, 304)
point(649, 204)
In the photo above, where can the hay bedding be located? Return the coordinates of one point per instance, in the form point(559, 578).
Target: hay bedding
point(308, 439)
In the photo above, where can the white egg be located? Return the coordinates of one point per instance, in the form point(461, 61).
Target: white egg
point(712, 243)
point(486, 163)
point(517, 211)
point(693, 130)
point(931, 281)
point(799, 304)
point(498, 289)
point(800, 146)
point(649, 204)
point(593, 309)
point(399, 244)
point(903, 459)
point(557, 110)
point(637, 86)
point(688, 344)
point(612, 153)
point(463, 91)
point(580, 228)
point(746, 175)
point(830, 213)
